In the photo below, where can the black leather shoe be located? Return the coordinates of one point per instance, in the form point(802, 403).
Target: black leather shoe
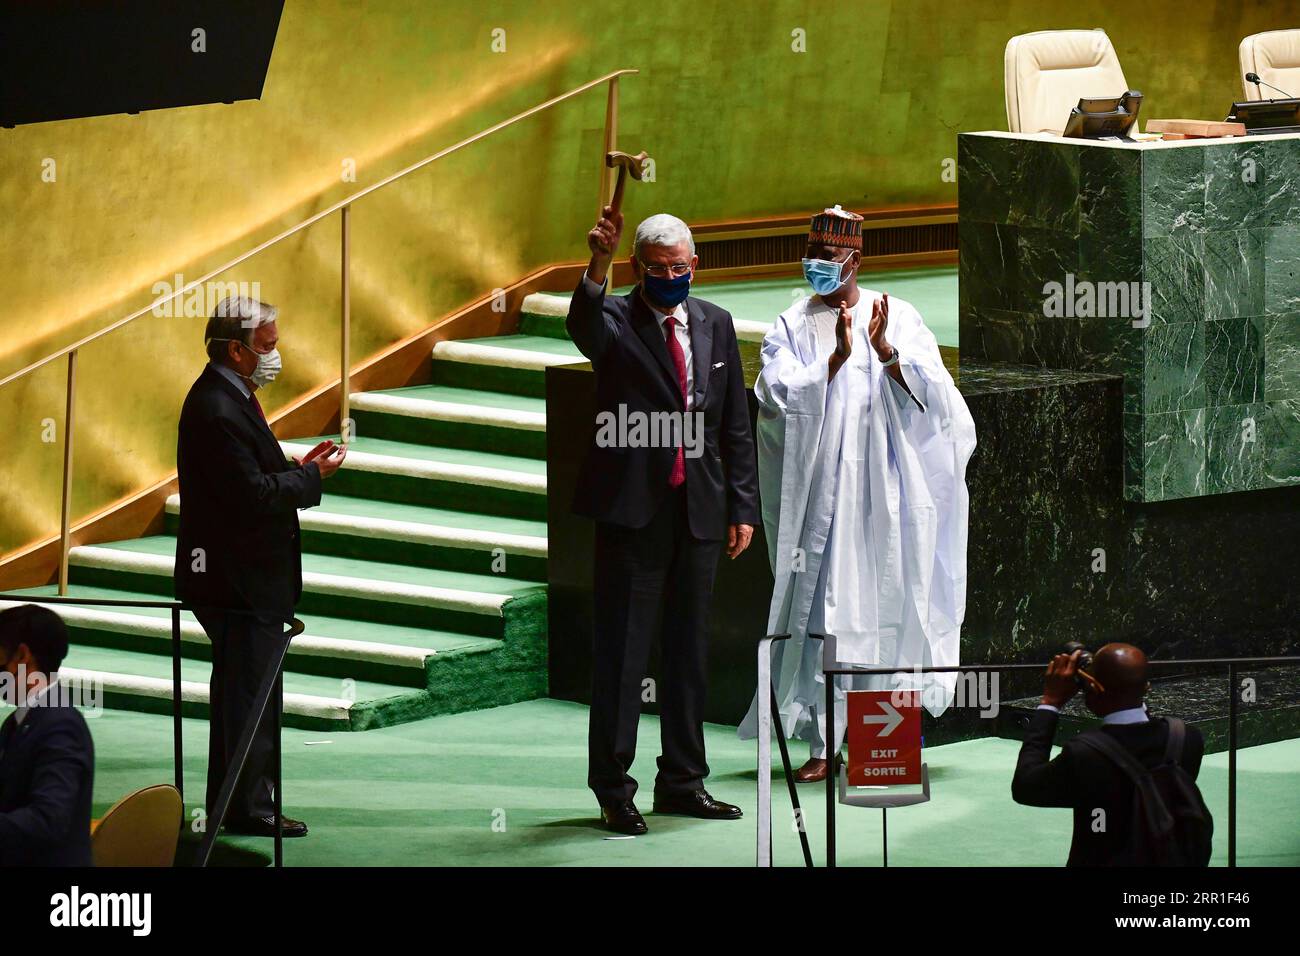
point(265, 827)
point(623, 818)
point(696, 803)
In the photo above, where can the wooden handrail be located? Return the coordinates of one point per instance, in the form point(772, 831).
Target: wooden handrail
point(346, 201)
point(344, 207)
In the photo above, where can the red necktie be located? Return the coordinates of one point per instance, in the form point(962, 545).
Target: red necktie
point(252, 397)
point(678, 475)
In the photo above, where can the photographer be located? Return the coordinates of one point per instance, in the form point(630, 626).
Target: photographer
point(1130, 782)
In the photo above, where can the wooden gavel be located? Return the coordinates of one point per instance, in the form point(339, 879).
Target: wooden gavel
point(625, 163)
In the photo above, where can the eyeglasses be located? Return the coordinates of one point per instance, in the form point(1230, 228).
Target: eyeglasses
point(676, 270)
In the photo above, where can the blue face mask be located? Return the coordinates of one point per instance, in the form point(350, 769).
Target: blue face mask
point(825, 276)
point(665, 291)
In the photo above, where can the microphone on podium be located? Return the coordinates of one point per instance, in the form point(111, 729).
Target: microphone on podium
point(1254, 78)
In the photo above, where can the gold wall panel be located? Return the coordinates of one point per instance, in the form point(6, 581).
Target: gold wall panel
point(740, 122)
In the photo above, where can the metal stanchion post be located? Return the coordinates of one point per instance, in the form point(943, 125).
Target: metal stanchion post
point(178, 747)
point(1232, 765)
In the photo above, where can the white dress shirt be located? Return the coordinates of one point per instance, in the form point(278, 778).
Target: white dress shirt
point(681, 329)
point(1133, 715)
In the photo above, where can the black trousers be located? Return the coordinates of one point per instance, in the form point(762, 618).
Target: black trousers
point(243, 649)
point(651, 581)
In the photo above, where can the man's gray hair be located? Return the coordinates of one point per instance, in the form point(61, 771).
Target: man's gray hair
point(662, 230)
point(235, 317)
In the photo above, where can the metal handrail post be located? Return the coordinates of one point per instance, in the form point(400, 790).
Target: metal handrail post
point(65, 507)
point(345, 323)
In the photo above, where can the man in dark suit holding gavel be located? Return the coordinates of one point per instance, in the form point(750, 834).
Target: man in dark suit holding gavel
point(238, 552)
point(664, 510)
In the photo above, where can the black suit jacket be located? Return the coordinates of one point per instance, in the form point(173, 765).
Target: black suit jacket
point(624, 339)
point(1085, 780)
point(47, 776)
point(240, 497)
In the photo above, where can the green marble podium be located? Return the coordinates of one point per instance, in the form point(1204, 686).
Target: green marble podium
point(1176, 265)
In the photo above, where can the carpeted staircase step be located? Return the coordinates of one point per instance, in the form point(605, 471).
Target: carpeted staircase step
point(330, 646)
point(543, 313)
point(394, 531)
point(454, 418)
point(333, 586)
point(139, 680)
point(455, 478)
point(505, 363)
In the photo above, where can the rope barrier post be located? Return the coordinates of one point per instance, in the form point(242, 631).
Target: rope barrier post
point(277, 710)
point(764, 843)
point(828, 664)
point(270, 685)
point(1232, 765)
point(767, 707)
point(790, 785)
point(178, 754)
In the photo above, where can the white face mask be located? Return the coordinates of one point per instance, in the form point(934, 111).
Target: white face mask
point(268, 364)
point(268, 367)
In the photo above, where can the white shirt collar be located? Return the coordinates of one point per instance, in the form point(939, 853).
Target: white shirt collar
point(233, 377)
point(1133, 715)
point(20, 713)
point(678, 314)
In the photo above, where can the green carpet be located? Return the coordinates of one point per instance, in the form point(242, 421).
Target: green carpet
point(506, 787)
point(932, 290)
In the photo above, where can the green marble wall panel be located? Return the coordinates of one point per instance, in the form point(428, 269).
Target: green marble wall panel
point(1208, 233)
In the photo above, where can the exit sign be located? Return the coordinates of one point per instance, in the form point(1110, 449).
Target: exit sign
point(884, 737)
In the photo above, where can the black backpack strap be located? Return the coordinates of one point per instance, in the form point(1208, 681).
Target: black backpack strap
point(1111, 748)
point(1177, 736)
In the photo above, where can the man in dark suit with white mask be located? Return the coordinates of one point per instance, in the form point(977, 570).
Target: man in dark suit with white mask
point(238, 552)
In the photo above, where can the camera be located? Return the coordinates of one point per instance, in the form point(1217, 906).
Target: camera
point(1085, 661)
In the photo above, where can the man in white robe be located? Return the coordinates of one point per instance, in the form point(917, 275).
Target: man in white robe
point(863, 441)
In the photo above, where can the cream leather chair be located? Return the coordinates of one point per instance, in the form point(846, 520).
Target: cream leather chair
point(1047, 73)
point(1275, 56)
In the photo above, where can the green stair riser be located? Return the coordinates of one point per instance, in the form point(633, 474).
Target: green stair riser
point(475, 560)
point(434, 557)
point(427, 431)
point(551, 326)
point(401, 708)
point(496, 378)
point(453, 495)
point(378, 609)
point(513, 672)
point(321, 666)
